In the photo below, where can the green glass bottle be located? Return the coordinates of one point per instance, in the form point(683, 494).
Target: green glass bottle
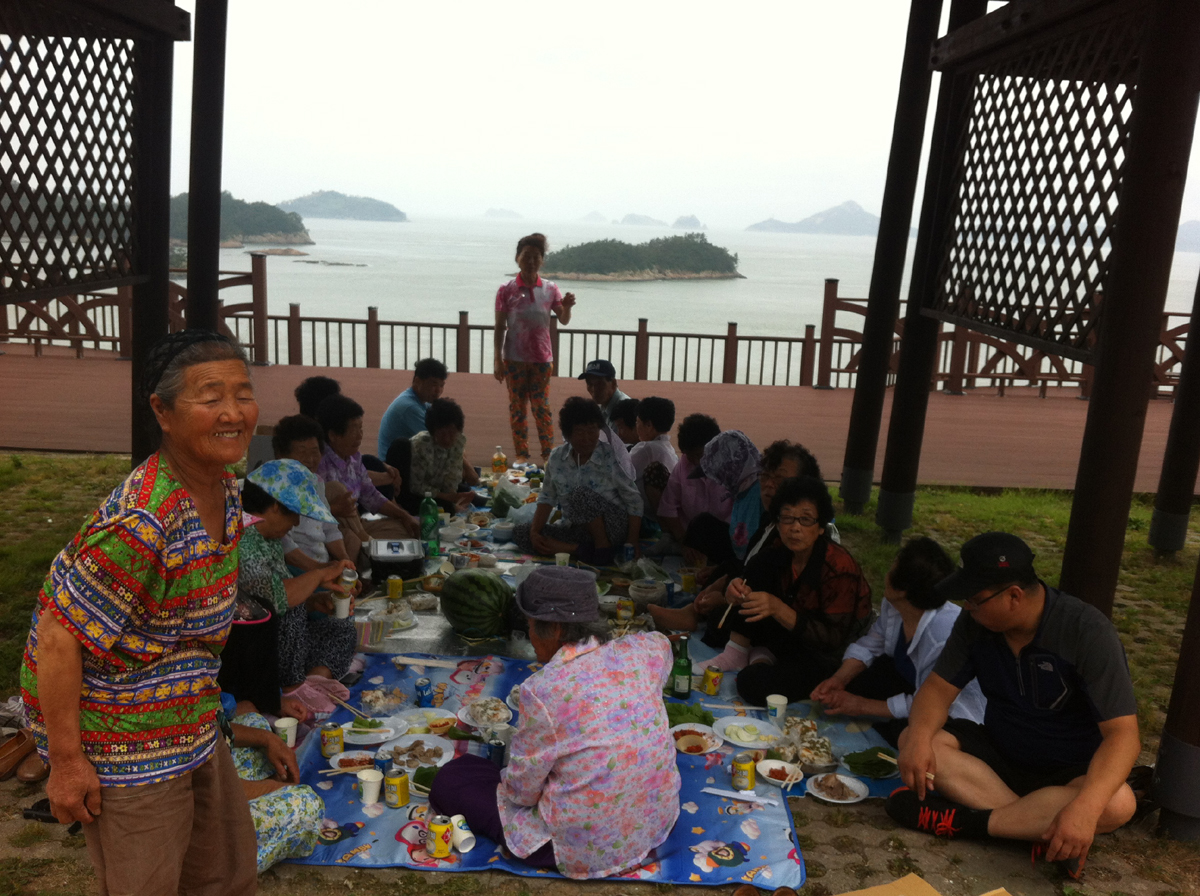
point(681, 671)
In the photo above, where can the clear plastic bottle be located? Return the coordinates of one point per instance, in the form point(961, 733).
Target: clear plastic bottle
point(499, 462)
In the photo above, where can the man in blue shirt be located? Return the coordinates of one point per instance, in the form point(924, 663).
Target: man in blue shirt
point(1060, 733)
point(405, 416)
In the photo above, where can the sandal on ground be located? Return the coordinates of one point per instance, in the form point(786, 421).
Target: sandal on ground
point(13, 752)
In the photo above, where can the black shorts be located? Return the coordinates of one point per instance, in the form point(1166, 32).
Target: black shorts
point(974, 740)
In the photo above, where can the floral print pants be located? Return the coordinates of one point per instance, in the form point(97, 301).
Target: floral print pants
point(527, 380)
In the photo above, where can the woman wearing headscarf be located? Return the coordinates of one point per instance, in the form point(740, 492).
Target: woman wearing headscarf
point(731, 460)
point(591, 784)
point(119, 674)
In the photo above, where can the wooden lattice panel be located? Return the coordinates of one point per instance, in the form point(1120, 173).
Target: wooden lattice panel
point(66, 152)
point(1036, 190)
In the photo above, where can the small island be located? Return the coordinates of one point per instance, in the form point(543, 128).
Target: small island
point(332, 204)
point(687, 257)
point(688, 222)
point(244, 222)
point(847, 219)
point(642, 221)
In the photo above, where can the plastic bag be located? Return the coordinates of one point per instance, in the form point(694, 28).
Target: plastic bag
point(645, 568)
point(508, 496)
point(522, 514)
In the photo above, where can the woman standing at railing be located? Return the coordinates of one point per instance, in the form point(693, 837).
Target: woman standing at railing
point(524, 352)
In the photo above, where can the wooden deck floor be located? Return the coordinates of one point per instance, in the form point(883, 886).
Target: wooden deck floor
point(60, 403)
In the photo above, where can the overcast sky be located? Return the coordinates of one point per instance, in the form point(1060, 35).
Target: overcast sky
point(732, 112)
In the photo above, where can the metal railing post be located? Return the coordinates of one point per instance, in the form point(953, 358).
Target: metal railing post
point(464, 343)
point(729, 373)
point(641, 351)
point(295, 335)
point(828, 318)
point(372, 336)
point(258, 297)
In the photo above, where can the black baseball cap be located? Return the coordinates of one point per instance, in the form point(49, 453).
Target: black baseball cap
point(599, 368)
point(988, 560)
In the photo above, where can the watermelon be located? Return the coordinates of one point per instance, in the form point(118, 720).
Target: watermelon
point(477, 603)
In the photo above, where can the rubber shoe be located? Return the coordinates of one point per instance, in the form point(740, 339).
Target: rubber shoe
point(935, 815)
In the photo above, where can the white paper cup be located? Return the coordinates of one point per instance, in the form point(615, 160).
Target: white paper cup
point(286, 729)
point(341, 606)
point(776, 709)
point(370, 780)
point(461, 837)
point(562, 559)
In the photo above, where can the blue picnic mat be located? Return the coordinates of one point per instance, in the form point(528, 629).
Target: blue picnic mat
point(716, 840)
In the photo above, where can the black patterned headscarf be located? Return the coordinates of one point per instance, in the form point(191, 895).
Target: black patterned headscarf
point(163, 355)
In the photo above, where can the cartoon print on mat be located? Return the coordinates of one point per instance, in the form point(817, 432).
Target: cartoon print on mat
point(357, 851)
point(763, 871)
point(751, 829)
point(413, 837)
point(648, 870)
point(740, 808)
point(332, 832)
point(714, 854)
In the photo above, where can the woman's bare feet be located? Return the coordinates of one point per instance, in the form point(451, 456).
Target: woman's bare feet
point(681, 619)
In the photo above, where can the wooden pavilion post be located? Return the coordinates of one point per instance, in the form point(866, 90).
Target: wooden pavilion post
point(891, 246)
point(1160, 142)
point(204, 185)
point(918, 348)
point(150, 311)
point(1181, 460)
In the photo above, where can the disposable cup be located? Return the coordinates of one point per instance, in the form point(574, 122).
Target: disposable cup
point(776, 709)
point(562, 559)
point(687, 577)
point(370, 780)
point(461, 837)
point(341, 606)
point(286, 729)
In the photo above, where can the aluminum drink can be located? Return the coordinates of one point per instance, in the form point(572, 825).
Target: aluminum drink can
point(441, 831)
point(743, 771)
point(395, 587)
point(627, 553)
point(712, 681)
point(349, 577)
point(497, 752)
point(331, 739)
point(424, 692)
point(625, 609)
point(395, 787)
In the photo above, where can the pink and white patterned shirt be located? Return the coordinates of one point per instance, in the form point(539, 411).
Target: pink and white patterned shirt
point(592, 765)
point(528, 312)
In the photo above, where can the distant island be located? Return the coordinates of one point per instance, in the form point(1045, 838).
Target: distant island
point(687, 257)
point(594, 218)
point(244, 222)
point(688, 222)
point(1187, 239)
point(643, 221)
point(503, 214)
point(847, 219)
point(332, 204)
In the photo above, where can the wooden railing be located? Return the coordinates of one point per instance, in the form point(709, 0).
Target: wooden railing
point(827, 360)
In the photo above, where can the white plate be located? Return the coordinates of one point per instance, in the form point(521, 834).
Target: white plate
point(842, 767)
point(431, 740)
point(710, 736)
point(371, 736)
point(400, 627)
point(765, 730)
point(464, 716)
point(416, 718)
point(513, 700)
point(764, 766)
point(859, 787)
point(365, 754)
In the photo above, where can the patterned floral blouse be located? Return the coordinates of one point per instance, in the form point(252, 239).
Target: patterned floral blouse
point(592, 765)
point(150, 597)
point(527, 312)
point(262, 569)
point(436, 469)
point(602, 473)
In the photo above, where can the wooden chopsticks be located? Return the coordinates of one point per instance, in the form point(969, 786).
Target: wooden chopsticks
point(345, 705)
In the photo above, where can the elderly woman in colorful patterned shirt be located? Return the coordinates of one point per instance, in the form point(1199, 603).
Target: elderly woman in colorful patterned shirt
point(119, 674)
point(600, 503)
point(591, 785)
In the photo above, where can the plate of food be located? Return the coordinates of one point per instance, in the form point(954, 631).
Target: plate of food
point(743, 731)
point(485, 712)
point(835, 788)
point(869, 763)
point(777, 772)
point(370, 732)
point(695, 739)
point(514, 698)
point(420, 720)
point(382, 701)
point(417, 750)
point(356, 759)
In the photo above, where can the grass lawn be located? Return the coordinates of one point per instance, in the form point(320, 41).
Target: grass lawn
point(44, 498)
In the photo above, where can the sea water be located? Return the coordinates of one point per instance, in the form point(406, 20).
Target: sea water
point(428, 270)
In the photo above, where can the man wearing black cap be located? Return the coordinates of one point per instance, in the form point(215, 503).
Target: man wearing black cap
point(601, 380)
point(1060, 733)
